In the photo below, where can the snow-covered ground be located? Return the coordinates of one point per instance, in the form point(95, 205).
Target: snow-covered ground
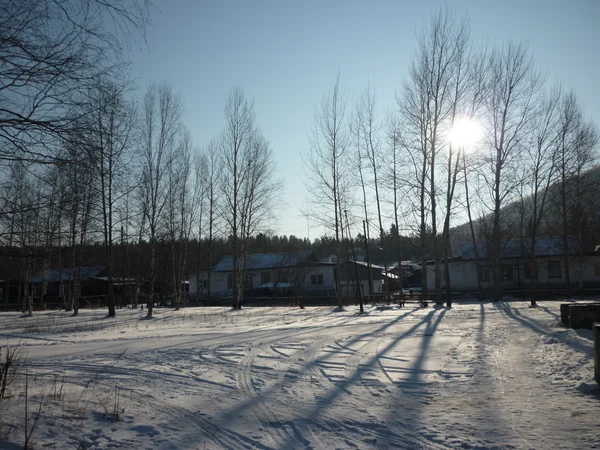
point(476, 376)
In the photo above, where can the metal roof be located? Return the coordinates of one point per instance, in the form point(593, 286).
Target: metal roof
point(259, 261)
point(64, 274)
point(516, 248)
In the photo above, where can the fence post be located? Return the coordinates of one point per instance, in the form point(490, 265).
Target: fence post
point(596, 329)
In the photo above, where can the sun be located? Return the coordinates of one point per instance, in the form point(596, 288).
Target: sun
point(465, 132)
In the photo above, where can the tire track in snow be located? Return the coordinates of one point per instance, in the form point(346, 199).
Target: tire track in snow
point(393, 432)
point(269, 421)
point(224, 437)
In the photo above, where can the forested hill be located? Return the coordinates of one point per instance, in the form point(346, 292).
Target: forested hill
point(582, 215)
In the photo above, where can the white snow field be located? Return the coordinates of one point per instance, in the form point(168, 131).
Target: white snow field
point(484, 376)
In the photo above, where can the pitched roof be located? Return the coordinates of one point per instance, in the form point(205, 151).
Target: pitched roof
point(259, 261)
point(64, 274)
point(516, 248)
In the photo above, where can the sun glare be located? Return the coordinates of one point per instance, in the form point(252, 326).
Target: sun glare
point(465, 132)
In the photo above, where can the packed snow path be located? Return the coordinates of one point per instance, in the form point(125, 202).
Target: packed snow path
point(476, 376)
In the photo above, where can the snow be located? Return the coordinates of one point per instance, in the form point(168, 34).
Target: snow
point(475, 376)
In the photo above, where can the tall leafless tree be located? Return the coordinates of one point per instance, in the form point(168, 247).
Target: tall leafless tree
point(360, 158)
point(248, 182)
point(369, 130)
point(510, 107)
point(326, 167)
point(184, 198)
point(576, 153)
point(426, 107)
point(210, 163)
point(160, 128)
point(538, 167)
point(107, 138)
point(51, 53)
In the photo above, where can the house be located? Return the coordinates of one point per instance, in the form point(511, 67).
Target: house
point(282, 273)
point(517, 267)
point(92, 280)
point(407, 273)
point(349, 270)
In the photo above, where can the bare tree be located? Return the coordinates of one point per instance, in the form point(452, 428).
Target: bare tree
point(78, 184)
point(426, 107)
point(326, 167)
point(160, 127)
point(392, 178)
point(577, 144)
point(369, 129)
point(469, 88)
point(473, 235)
point(538, 167)
point(51, 52)
point(248, 184)
point(510, 107)
point(212, 166)
point(359, 161)
point(107, 139)
point(184, 197)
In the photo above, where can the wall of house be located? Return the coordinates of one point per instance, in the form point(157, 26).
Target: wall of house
point(348, 287)
point(328, 278)
point(463, 274)
point(219, 280)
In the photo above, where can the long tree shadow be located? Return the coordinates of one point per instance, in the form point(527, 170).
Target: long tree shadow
point(549, 311)
point(325, 402)
point(224, 420)
point(540, 328)
point(473, 405)
point(228, 416)
point(414, 384)
point(485, 372)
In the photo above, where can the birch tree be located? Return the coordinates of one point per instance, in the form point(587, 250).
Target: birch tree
point(184, 196)
point(369, 129)
point(248, 183)
point(426, 106)
point(576, 152)
point(509, 108)
point(326, 167)
point(160, 128)
point(211, 168)
point(539, 168)
point(107, 138)
point(51, 52)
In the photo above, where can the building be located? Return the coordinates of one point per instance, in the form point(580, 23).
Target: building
point(54, 284)
point(266, 274)
point(349, 271)
point(518, 269)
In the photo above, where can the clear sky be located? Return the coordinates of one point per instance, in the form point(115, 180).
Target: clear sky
point(285, 55)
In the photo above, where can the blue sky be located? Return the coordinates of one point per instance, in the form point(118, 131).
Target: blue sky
point(285, 55)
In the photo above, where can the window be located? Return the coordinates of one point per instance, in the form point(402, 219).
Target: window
point(37, 291)
point(248, 281)
point(265, 277)
point(484, 273)
point(554, 269)
point(229, 281)
point(530, 271)
point(597, 270)
point(284, 277)
point(202, 284)
point(507, 273)
point(316, 278)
